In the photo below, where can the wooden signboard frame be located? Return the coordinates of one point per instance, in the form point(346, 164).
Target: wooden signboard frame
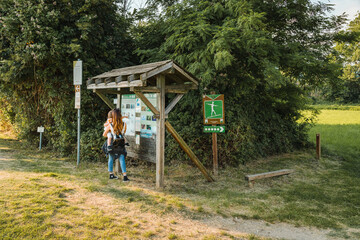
point(161, 78)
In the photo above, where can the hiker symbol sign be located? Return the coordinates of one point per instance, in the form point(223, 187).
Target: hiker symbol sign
point(213, 108)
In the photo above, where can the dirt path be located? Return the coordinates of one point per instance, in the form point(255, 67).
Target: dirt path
point(162, 225)
point(261, 228)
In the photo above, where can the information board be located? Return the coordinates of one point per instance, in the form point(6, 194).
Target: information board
point(140, 118)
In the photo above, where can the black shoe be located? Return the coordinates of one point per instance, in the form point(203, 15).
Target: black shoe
point(112, 176)
point(126, 179)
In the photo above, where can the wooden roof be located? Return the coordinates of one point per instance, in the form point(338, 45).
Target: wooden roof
point(144, 76)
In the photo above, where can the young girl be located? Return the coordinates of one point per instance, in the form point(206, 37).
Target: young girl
point(106, 124)
point(118, 127)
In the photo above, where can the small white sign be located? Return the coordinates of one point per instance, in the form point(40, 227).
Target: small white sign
point(137, 139)
point(40, 129)
point(77, 72)
point(77, 97)
point(115, 101)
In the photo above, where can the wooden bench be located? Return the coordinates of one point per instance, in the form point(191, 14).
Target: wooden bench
point(253, 177)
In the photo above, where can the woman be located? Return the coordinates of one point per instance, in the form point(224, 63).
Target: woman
point(117, 127)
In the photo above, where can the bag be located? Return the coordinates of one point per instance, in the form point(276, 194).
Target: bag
point(117, 146)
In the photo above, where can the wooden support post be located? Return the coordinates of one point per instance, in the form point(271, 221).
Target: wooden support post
point(105, 99)
point(318, 146)
point(118, 105)
point(215, 153)
point(188, 151)
point(147, 102)
point(173, 103)
point(160, 134)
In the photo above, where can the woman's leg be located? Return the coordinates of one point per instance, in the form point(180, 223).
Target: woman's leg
point(122, 164)
point(111, 163)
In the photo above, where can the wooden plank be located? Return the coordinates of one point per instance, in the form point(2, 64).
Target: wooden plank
point(99, 80)
point(188, 151)
point(147, 102)
point(160, 132)
point(172, 104)
point(133, 77)
point(145, 89)
point(156, 71)
point(124, 84)
point(132, 69)
point(111, 91)
point(268, 174)
point(109, 80)
point(90, 81)
point(187, 75)
point(120, 78)
point(105, 99)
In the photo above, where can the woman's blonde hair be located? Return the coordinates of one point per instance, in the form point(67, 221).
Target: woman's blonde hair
point(117, 121)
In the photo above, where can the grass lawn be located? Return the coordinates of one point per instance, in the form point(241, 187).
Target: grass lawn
point(48, 197)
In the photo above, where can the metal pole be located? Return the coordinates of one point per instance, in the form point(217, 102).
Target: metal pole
point(40, 141)
point(78, 139)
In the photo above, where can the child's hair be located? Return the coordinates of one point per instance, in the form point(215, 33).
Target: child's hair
point(110, 114)
point(117, 121)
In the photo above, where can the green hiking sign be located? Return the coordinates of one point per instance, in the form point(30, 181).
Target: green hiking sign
point(213, 109)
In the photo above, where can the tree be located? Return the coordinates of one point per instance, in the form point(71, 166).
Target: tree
point(347, 87)
point(39, 41)
point(262, 55)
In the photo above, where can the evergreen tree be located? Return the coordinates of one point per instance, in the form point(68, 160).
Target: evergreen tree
point(262, 55)
point(39, 41)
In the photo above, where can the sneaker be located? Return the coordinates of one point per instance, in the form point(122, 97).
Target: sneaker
point(126, 179)
point(112, 176)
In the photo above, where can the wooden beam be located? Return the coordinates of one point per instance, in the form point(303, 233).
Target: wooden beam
point(173, 103)
point(99, 80)
point(113, 91)
point(188, 151)
point(105, 99)
point(156, 71)
point(133, 77)
point(253, 177)
point(160, 132)
point(122, 84)
point(90, 81)
point(147, 103)
point(109, 80)
point(188, 76)
point(145, 89)
point(120, 78)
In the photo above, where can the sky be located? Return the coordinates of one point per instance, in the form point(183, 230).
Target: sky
point(351, 7)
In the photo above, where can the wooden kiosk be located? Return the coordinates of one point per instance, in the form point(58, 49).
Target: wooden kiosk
point(161, 78)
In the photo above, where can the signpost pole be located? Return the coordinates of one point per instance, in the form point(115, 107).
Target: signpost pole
point(78, 138)
point(40, 130)
point(77, 82)
point(213, 109)
point(40, 141)
point(215, 153)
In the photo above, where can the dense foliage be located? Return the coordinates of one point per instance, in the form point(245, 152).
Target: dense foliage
point(263, 55)
point(346, 88)
point(39, 42)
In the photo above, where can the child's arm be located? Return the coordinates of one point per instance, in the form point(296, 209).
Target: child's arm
point(107, 129)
